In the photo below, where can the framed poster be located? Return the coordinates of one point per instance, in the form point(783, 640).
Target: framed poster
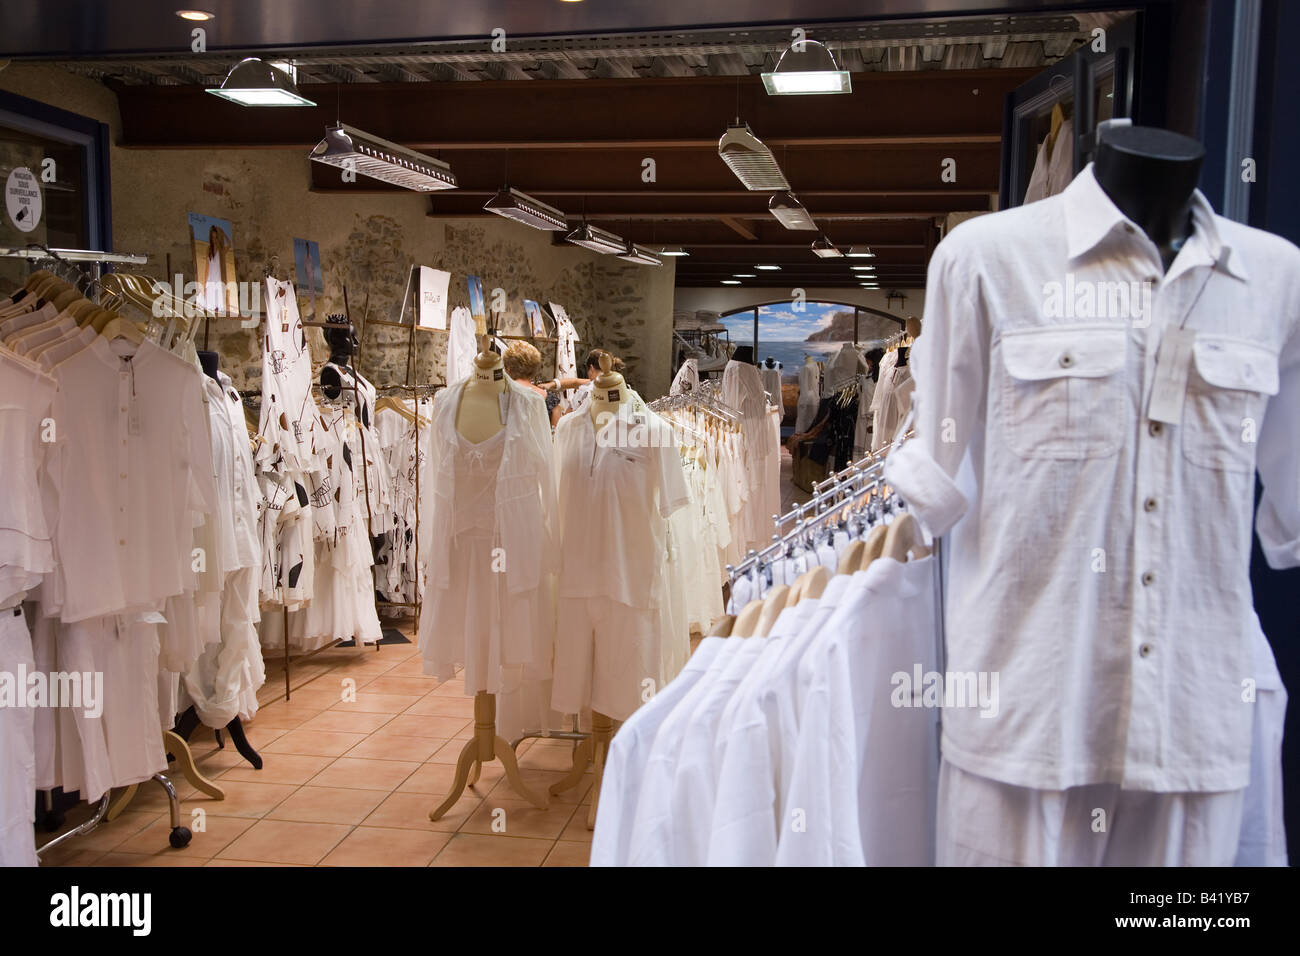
point(537, 321)
point(476, 304)
point(213, 240)
point(311, 281)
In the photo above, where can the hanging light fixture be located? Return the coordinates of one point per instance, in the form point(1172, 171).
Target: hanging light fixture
point(597, 240)
point(860, 252)
point(807, 67)
point(638, 254)
point(673, 251)
point(750, 159)
point(823, 248)
point(351, 149)
point(521, 207)
point(790, 212)
point(254, 82)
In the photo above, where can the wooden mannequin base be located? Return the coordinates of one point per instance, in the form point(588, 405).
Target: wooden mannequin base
point(593, 750)
point(485, 745)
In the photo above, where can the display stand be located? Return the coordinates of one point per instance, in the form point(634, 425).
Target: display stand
point(593, 748)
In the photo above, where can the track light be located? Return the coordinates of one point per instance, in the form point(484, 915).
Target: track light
point(351, 149)
point(512, 204)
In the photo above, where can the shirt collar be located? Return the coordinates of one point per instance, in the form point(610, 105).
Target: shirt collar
point(1091, 216)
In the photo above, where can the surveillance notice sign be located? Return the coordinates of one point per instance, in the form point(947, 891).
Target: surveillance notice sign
point(23, 199)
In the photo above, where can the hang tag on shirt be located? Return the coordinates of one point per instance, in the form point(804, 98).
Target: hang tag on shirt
point(133, 418)
point(152, 617)
point(503, 405)
point(1173, 363)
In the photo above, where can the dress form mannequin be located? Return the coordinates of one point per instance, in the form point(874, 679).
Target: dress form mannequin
point(343, 344)
point(480, 415)
point(1150, 174)
point(609, 392)
point(211, 362)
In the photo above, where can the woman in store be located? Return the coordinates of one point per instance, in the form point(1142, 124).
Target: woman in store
point(522, 362)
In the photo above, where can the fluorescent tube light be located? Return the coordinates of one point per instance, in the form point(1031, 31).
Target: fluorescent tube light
point(750, 159)
point(512, 204)
point(597, 240)
point(351, 149)
point(790, 212)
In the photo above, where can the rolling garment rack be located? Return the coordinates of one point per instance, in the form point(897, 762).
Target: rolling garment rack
point(67, 264)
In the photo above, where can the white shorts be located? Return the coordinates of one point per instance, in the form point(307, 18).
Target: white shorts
point(17, 747)
point(984, 822)
point(604, 654)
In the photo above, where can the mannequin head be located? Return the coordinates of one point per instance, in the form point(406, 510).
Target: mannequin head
point(211, 362)
point(342, 340)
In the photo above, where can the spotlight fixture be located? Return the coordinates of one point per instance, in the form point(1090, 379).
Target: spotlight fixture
point(673, 251)
point(750, 159)
point(807, 67)
point(254, 82)
point(790, 212)
point(823, 248)
point(512, 204)
point(860, 252)
point(597, 240)
point(351, 149)
point(768, 268)
point(641, 256)
point(197, 16)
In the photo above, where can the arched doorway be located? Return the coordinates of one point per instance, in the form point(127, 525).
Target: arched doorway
point(786, 329)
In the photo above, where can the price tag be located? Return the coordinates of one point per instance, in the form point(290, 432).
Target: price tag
point(133, 418)
point(1173, 363)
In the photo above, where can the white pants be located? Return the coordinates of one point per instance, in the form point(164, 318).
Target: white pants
point(17, 747)
point(985, 822)
point(604, 653)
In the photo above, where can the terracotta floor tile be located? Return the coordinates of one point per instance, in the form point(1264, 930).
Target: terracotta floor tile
point(410, 811)
point(448, 752)
point(436, 779)
point(285, 841)
point(217, 833)
point(444, 706)
point(69, 855)
point(321, 694)
point(311, 804)
point(352, 722)
point(282, 716)
point(422, 725)
point(169, 858)
point(152, 798)
point(372, 703)
point(400, 685)
point(110, 835)
point(386, 846)
point(545, 756)
point(514, 817)
point(540, 781)
point(243, 799)
point(471, 849)
point(362, 774)
point(316, 743)
point(575, 831)
point(453, 688)
point(411, 667)
point(247, 863)
point(277, 768)
point(386, 747)
point(565, 853)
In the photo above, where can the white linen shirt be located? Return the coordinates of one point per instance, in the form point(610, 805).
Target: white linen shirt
point(1100, 559)
point(26, 552)
point(120, 500)
point(628, 755)
point(236, 488)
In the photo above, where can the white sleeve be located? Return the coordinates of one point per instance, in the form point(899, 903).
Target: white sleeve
point(744, 823)
point(950, 365)
point(1278, 461)
point(804, 836)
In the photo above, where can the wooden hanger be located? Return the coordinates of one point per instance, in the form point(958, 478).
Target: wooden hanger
point(875, 544)
point(811, 584)
point(747, 620)
point(723, 626)
point(904, 536)
point(851, 558)
point(773, 605)
point(120, 328)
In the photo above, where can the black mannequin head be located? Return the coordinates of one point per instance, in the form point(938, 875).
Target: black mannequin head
point(210, 361)
point(342, 340)
point(1151, 174)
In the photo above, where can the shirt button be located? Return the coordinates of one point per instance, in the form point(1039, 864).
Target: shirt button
point(1149, 504)
point(1145, 650)
point(1148, 578)
point(1156, 429)
point(122, 542)
point(124, 408)
point(1128, 227)
point(1067, 360)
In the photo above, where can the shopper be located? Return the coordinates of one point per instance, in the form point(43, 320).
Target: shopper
point(522, 362)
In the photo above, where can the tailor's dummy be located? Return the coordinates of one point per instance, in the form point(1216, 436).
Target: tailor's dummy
point(609, 393)
point(482, 404)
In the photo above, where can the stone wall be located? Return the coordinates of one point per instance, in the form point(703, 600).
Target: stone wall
point(368, 244)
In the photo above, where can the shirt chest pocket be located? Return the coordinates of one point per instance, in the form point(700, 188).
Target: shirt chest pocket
point(1227, 390)
point(1063, 391)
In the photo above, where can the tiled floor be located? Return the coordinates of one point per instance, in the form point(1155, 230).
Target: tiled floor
point(351, 784)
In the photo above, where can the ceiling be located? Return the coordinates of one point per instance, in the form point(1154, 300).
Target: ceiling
point(573, 120)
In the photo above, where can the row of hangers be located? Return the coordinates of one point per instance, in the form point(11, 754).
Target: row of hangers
point(68, 298)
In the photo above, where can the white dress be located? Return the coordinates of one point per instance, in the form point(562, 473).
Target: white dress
point(809, 397)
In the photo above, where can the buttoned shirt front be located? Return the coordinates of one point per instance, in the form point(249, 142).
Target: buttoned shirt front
point(236, 488)
point(130, 467)
point(1100, 557)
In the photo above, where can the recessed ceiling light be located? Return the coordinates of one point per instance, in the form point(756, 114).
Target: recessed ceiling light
point(197, 15)
point(745, 275)
point(863, 268)
point(731, 282)
point(768, 268)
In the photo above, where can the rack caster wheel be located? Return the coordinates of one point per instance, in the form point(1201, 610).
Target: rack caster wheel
point(53, 820)
point(180, 837)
